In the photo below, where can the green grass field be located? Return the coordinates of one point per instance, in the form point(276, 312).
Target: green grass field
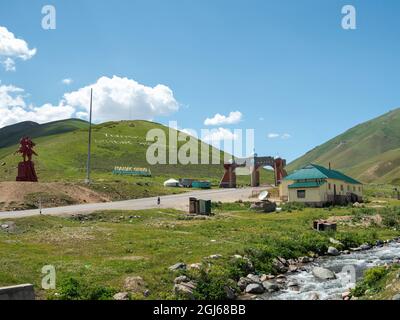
point(110, 246)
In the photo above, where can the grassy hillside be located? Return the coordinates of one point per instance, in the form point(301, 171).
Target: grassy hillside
point(11, 135)
point(369, 151)
point(62, 156)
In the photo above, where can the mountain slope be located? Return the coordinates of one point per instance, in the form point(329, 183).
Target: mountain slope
point(369, 152)
point(10, 135)
point(62, 157)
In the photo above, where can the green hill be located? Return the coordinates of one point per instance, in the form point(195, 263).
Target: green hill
point(62, 149)
point(10, 135)
point(369, 152)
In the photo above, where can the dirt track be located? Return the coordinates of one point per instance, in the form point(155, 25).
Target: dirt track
point(15, 194)
point(178, 201)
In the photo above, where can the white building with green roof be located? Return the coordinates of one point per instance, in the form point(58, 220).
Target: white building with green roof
point(318, 186)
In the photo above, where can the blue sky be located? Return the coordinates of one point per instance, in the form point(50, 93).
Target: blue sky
point(288, 62)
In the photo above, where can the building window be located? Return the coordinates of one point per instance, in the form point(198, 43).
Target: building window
point(329, 186)
point(348, 188)
point(301, 194)
point(341, 187)
point(359, 189)
point(354, 189)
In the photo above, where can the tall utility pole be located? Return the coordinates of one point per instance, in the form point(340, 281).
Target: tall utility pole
point(90, 140)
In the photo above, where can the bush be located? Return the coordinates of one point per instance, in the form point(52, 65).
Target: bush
point(354, 239)
point(290, 246)
point(211, 285)
point(372, 281)
point(293, 206)
point(73, 289)
point(261, 256)
point(391, 217)
point(237, 268)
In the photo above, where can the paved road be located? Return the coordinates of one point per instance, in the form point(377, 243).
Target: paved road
point(178, 201)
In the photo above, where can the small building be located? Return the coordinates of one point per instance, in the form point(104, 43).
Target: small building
point(318, 186)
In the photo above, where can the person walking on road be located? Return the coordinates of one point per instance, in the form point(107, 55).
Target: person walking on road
point(158, 201)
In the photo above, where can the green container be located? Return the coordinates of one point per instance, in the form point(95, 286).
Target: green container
point(201, 184)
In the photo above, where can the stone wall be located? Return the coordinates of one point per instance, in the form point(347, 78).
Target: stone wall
point(20, 292)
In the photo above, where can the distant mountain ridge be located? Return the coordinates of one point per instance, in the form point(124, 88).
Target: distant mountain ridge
point(10, 135)
point(369, 152)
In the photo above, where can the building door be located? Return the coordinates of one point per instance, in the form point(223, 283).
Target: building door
point(334, 194)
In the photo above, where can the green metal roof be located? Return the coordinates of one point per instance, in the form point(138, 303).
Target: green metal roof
point(314, 171)
point(308, 184)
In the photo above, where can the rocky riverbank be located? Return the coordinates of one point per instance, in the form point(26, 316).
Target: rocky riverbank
point(317, 277)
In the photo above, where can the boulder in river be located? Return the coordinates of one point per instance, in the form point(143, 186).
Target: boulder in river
point(365, 246)
point(244, 282)
point(332, 251)
point(313, 296)
point(324, 274)
point(255, 288)
point(254, 278)
point(279, 265)
point(270, 286)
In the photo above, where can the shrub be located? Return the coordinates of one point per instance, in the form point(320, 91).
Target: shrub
point(73, 289)
point(211, 285)
point(293, 206)
point(237, 268)
point(372, 281)
point(261, 256)
point(354, 239)
point(391, 217)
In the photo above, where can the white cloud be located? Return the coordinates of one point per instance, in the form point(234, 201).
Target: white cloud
point(218, 119)
point(220, 134)
point(283, 136)
point(273, 135)
point(67, 81)
point(12, 48)
point(122, 98)
point(113, 99)
point(9, 64)
point(13, 108)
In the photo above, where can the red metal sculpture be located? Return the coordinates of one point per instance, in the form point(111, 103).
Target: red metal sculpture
point(26, 169)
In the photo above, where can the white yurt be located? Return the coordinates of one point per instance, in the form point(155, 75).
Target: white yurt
point(171, 183)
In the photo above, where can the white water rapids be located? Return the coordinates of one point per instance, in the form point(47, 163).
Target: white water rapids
point(309, 286)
